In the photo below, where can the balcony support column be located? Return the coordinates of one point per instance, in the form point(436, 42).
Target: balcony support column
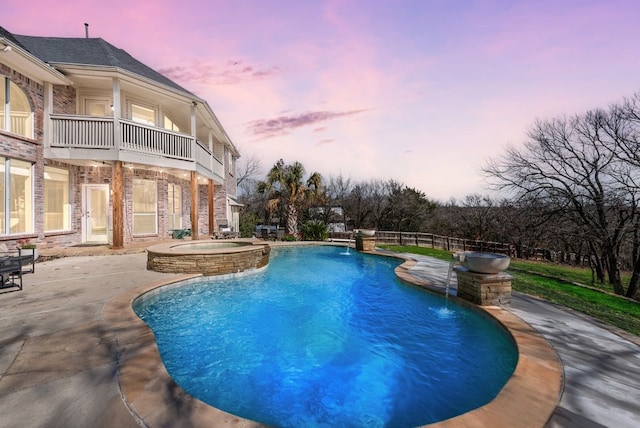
point(194, 206)
point(212, 157)
point(117, 188)
point(194, 129)
point(117, 114)
point(212, 227)
point(48, 110)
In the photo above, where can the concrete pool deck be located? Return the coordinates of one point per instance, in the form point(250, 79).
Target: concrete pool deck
point(59, 343)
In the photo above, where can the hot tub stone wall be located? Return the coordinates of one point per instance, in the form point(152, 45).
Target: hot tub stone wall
point(214, 263)
point(484, 289)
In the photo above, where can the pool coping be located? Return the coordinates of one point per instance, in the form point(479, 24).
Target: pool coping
point(528, 398)
point(243, 245)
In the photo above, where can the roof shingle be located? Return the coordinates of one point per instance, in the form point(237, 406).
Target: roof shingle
point(86, 51)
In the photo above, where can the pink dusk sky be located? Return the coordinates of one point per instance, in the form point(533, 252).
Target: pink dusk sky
point(420, 91)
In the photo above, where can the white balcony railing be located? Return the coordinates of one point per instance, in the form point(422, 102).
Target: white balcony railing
point(156, 141)
point(83, 132)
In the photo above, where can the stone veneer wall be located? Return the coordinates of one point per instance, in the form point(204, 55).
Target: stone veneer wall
point(484, 289)
point(365, 244)
point(213, 262)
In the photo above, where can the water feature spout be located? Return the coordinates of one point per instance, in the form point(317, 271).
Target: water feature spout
point(346, 253)
point(455, 258)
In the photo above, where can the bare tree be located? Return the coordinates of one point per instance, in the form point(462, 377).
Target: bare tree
point(477, 216)
point(247, 171)
point(568, 166)
point(335, 194)
point(366, 203)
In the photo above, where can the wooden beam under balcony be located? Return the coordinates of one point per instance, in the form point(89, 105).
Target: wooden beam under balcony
point(195, 235)
point(117, 186)
point(210, 200)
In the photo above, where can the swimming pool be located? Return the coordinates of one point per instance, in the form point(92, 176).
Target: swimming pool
point(324, 339)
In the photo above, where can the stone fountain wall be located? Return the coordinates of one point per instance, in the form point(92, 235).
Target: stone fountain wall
point(485, 289)
point(364, 243)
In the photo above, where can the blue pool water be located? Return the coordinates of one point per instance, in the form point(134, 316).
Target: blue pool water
point(323, 339)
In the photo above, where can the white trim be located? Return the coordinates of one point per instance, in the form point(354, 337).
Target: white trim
point(31, 66)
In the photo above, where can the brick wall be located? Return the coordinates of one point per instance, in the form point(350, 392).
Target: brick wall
point(35, 94)
point(64, 100)
point(27, 149)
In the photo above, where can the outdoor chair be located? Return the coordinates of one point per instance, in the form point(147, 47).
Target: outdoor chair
point(10, 270)
point(28, 259)
point(264, 233)
point(224, 232)
point(180, 233)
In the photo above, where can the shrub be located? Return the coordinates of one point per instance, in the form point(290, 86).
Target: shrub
point(289, 237)
point(25, 243)
point(248, 224)
point(314, 230)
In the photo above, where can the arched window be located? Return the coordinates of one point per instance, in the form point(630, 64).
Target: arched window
point(16, 114)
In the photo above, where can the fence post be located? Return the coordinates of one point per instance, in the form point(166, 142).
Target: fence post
point(417, 245)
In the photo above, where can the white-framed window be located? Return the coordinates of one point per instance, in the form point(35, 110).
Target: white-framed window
point(144, 114)
point(98, 107)
point(170, 125)
point(174, 206)
point(231, 163)
point(16, 114)
point(56, 199)
point(145, 213)
point(16, 196)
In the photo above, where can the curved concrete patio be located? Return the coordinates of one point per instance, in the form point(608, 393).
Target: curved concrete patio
point(58, 352)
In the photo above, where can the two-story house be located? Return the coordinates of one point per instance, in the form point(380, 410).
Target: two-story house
point(96, 147)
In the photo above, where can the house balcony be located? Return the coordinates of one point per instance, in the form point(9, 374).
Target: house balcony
point(88, 138)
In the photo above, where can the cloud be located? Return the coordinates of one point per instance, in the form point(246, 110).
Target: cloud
point(326, 141)
point(282, 125)
point(206, 73)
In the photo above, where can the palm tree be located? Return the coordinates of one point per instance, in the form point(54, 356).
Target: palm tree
point(286, 189)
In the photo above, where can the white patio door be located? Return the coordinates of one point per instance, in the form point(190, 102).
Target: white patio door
point(95, 205)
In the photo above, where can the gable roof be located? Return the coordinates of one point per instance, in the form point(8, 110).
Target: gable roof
point(58, 51)
point(4, 34)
